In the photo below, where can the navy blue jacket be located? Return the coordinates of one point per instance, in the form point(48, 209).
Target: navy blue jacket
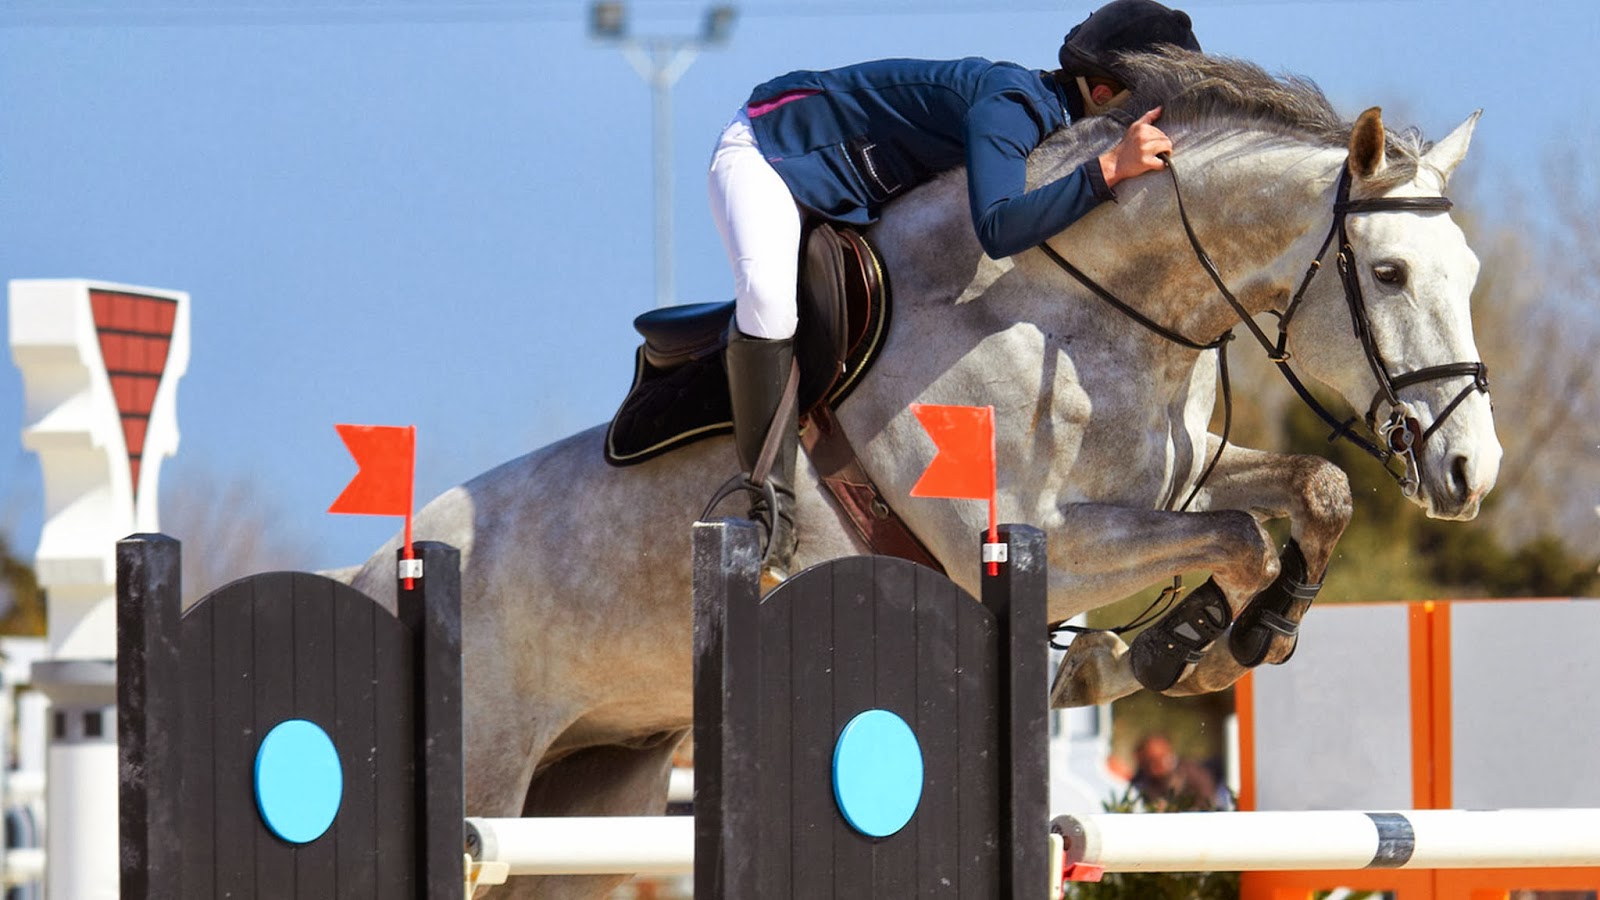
point(846, 141)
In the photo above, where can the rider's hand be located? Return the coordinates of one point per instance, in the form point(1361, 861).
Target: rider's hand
point(1136, 153)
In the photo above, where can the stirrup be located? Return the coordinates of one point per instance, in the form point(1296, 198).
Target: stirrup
point(741, 483)
point(1162, 652)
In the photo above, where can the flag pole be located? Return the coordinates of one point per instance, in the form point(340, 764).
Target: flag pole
point(411, 566)
point(994, 502)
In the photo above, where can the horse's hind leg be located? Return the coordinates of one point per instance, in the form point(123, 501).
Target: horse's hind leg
point(597, 781)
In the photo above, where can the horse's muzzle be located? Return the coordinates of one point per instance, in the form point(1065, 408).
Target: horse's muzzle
point(1455, 488)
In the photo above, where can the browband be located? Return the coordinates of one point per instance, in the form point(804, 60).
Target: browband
point(1393, 204)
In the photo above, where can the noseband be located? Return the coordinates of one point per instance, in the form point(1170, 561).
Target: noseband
point(1401, 434)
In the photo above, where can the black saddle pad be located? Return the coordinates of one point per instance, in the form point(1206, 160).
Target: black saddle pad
point(680, 384)
point(668, 408)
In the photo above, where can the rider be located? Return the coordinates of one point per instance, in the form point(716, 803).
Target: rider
point(840, 144)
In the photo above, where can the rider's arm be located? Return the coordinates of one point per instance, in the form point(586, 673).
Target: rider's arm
point(1002, 130)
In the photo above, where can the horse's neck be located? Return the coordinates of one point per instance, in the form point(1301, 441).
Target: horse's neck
point(1259, 209)
point(1258, 214)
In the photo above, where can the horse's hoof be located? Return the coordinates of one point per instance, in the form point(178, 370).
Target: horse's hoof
point(1163, 653)
point(771, 577)
point(1089, 673)
point(1275, 612)
point(1253, 637)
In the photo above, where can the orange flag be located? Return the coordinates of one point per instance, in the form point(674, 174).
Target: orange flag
point(963, 467)
point(385, 458)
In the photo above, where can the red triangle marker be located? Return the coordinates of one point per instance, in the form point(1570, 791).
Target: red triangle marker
point(385, 458)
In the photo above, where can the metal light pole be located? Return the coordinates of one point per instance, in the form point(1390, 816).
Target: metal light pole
point(660, 61)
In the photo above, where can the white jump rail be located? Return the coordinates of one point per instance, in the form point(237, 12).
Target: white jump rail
point(1262, 841)
point(603, 845)
point(585, 845)
point(1113, 842)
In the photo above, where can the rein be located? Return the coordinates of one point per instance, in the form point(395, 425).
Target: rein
point(1401, 435)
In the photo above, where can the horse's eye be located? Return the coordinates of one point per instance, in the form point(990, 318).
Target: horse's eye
point(1392, 274)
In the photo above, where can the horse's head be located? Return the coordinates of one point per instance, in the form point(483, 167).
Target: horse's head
point(1387, 324)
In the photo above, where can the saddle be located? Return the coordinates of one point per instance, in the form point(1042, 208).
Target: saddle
point(680, 386)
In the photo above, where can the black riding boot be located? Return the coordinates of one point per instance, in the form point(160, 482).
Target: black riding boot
point(757, 372)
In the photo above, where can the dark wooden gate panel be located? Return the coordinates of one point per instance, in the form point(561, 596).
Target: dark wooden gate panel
point(778, 678)
point(844, 638)
point(199, 692)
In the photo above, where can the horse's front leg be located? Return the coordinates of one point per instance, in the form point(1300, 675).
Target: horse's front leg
point(1099, 553)
point(1315, 495)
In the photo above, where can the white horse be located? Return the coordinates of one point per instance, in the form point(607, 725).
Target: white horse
point(576, 575)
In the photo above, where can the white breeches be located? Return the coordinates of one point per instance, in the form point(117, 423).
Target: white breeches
point(760, 226)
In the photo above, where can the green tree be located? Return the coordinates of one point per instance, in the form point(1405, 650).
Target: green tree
point(25, 614)
point(1392, 551)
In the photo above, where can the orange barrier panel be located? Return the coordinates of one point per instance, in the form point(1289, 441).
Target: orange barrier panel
point(1431, 778)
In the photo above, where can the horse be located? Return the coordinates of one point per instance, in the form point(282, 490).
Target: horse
point(577, 575)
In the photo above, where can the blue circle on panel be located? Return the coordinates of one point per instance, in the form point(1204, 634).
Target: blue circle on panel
point(299, 781)
point(877, 773)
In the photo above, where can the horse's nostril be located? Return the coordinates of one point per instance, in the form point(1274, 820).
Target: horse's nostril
point(1460, 487)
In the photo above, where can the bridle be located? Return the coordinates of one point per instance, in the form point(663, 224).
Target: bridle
point(1401, 435)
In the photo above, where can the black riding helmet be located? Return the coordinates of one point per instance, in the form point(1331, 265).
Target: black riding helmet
point(1121, 26)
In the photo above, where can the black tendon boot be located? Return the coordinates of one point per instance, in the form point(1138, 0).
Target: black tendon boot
point(758, 370)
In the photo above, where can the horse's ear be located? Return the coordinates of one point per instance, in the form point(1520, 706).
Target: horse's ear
point(1366, 144)
point(1448, 153)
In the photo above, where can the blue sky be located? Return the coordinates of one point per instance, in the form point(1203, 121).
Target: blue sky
point(430, 213)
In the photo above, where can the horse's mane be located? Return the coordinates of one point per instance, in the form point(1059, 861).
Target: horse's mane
point(1211, 96)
